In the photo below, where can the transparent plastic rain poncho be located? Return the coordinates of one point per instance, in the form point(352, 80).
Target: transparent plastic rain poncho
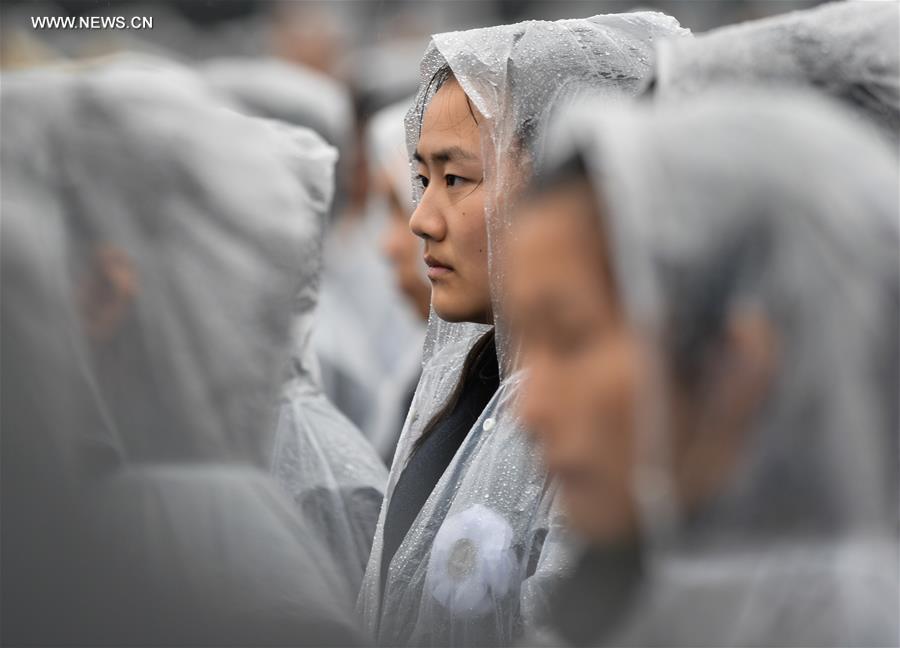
point(42, 465)
point(361, 320)
point(388, 161)
point(849, 50)
point(191, 542)
point(330, 470)
point(494, 497)
point(287, 92)
point(368, 335)
point(386, 141)
point(297, 95)
point(365, 326)
point(737, 201)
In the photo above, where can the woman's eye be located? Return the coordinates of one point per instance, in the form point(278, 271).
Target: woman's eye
point(453, 179)
point(422, 180)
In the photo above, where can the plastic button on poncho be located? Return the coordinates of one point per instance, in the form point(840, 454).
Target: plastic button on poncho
point(473, 568)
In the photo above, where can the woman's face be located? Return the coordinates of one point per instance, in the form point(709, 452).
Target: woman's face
point(589, 374)
point(584, 365)
point(450, 214)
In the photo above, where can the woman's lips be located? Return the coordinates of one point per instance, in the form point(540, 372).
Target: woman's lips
point(434, 272)
point(436, 269)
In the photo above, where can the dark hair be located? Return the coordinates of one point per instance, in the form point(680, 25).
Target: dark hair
point(524, 135)
point(471, 362)
point(470, 367)
point(437, 80)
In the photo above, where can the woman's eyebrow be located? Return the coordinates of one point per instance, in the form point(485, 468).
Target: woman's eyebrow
point(445, 155)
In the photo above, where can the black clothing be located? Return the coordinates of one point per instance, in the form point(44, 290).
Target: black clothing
point(598, 595)
point(428, 462)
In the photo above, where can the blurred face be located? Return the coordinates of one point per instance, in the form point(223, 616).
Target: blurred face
point(450, 215)
point(588, 374)
point(404, 251)
point(584, 365)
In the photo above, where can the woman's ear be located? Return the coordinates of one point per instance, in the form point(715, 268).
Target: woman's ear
point(106, 291)
point(734, 387)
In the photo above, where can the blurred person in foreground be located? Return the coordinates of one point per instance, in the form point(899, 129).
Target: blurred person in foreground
point(160, 231)
point(706, 297)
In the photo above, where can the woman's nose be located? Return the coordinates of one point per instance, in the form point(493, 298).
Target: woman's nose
point(426, 221)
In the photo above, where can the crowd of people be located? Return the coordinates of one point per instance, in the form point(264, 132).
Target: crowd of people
point(589, 335)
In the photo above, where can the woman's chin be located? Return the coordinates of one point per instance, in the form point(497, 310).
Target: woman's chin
point(457, 313)
point(448, 313)
point(450, 305)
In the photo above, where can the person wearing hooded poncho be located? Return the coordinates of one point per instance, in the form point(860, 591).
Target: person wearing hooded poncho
point(288, 92)
point(468, 535)
point(298, 95)
point(160, 232)
point(709, 313)
point(44, 591)
point(319, 456)
point(332, 472)
point(848, 50)
point(391, 195)
point(362, 324)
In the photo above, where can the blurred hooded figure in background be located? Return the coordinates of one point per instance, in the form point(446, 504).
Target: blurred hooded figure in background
point(162, 235)
point(370, 253)
point(708, 315)
point(366, 326)
point(468, 536)
point(848, 50)
point(290, 92)
point(330, 470)
point(319, 456)
point(392, 196)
